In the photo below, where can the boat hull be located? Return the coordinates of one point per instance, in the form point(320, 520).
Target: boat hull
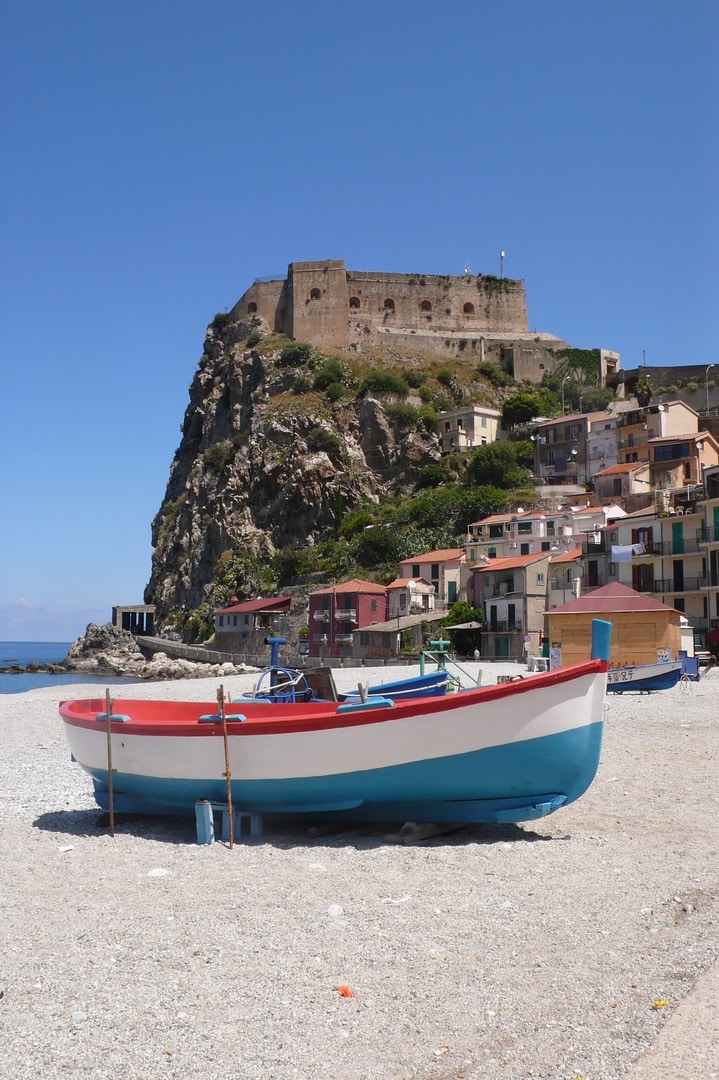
point(644, 678)
point(509, 753)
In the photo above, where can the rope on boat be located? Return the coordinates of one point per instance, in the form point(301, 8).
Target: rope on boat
point(227, 774)
point(110, 793)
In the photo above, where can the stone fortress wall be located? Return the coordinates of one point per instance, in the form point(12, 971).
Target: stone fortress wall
point(473, 316)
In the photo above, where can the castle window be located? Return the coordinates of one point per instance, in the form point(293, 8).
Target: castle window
point(389, 304)
point(468, 309)
point(315, 294)
point(354, 301)
point(425, 306)
point(251, 308)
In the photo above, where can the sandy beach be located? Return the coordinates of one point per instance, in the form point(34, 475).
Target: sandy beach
point(561, 949)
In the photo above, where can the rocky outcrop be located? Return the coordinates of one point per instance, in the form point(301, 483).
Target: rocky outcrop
point(107, 650)
point(266, 462)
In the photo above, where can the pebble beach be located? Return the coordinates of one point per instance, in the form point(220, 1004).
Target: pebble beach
point(556, 950)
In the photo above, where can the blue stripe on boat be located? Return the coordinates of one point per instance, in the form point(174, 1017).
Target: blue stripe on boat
point(534, 777)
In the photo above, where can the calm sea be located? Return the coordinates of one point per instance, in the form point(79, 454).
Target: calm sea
point(22, 653)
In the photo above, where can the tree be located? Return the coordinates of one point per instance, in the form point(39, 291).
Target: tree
point(644, 393)
point(500, 464)
point(520, 408)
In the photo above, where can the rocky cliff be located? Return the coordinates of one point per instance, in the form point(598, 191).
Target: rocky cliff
point(271, 456)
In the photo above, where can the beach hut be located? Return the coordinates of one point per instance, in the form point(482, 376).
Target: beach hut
point(643, 629)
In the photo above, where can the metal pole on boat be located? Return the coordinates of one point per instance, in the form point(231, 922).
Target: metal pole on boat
point(110, 793)
point(227, 774)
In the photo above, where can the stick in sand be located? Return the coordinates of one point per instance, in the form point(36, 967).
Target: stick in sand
point(227, 774)
point(110, 794)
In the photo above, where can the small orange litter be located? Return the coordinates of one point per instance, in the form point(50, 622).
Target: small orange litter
point(344, 991)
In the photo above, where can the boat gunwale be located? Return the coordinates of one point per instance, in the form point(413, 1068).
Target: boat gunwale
point(264, 718)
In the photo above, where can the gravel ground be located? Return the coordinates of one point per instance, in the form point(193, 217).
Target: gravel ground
point(552, 950)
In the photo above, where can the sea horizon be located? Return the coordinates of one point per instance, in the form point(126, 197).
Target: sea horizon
point(21, 653)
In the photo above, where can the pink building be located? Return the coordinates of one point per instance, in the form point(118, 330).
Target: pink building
point(337, 612)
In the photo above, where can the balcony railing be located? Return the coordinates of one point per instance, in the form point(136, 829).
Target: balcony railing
point(502, 626)
point(346, 615)
point(674, 585)
point(321, 616)
point(501, 589)
point(343, 639)
point(708, 536)
point(321, 639)
point(685, 546)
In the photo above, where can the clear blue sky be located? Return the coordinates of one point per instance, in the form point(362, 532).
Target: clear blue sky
point(161, 154)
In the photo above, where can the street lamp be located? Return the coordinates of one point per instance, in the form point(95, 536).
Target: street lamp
point(706, 380)
point(566, 377)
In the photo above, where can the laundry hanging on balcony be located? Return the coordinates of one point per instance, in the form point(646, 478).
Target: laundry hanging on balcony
point(626, 552)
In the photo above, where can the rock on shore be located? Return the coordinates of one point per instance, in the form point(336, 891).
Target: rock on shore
point(108, 650)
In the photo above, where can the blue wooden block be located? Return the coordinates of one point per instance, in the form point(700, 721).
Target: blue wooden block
point(205, 821)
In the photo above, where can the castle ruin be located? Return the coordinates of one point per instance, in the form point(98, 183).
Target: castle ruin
point(477, 316)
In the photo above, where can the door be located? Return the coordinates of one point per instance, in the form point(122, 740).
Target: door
point(502, 647)
point(677, 538)
point(511, 616)
point(678, 565)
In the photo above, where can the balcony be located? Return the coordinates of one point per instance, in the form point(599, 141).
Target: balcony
point(320, 639)
point(321, 616)
point(503, 626)
point(343, 639)
point(500, 588)
point(674, 585)
point(676, 547)
point(346, 615)
point(708, 536)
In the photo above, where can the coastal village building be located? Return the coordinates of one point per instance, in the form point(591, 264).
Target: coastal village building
point(387, 640)
point(628, 483)
point(709, 543)
point(409, 596)
point(528, 532)
point(242, 626)
point(446, 570)
point(468, 428)
point(638, 426)
point(338, 612)
point(643, 629)
point(512, 594)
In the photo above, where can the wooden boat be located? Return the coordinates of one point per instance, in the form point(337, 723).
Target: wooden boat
point(505, 753)
point(644, 678)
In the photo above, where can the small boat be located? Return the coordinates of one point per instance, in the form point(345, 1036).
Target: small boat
point(506, 753)
point(280, 684)
point(644, 678)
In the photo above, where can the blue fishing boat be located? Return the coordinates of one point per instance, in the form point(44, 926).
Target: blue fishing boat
point(644, 678)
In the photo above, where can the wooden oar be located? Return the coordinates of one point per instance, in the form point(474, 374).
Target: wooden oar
point(227, 774)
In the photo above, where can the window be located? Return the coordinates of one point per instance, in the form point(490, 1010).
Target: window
point(468, 309)
point(415, 570)
point(373, 606)
point(389, 304)
point(524, 549)
point(447, 425)
point(251, 308)
point(492, 553)
point(671, 451)
point(550, 528)
point(354, 301)
point(546, 545)
point(425, 306)
point(315, 294)
point(222, 620)
point(540, 578)
point(617, 486)
point(484, 421)
point(364, 639)
point(524, 527)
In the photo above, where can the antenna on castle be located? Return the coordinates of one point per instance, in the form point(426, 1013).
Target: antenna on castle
point(467, 269)
point(501, 264)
